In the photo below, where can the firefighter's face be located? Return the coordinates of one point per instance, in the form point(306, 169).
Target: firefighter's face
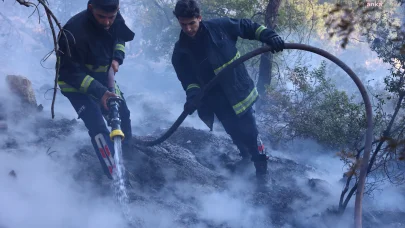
point(190, 25)
point(105, 19)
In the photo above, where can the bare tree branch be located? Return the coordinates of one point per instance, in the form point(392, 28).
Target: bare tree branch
point(25, 3)
point(55, 43)
point(51, 20)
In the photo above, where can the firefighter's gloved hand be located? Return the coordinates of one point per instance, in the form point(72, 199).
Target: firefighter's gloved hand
point(105, 97)
point(276, 42)
point(191, 105)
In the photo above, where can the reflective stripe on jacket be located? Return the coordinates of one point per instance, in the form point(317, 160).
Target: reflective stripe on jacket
point(221, 51)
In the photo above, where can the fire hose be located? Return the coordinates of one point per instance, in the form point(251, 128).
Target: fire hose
point(353, 76)
point(113, 104)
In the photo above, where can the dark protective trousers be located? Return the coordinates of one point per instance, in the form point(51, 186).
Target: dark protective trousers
point(243, 129)
point(93, 115)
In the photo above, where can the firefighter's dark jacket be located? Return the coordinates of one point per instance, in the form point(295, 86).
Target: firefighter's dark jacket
point(221, 50)
point(92, 50)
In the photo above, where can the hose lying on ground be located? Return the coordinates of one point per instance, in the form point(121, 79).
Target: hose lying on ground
point(368, 139)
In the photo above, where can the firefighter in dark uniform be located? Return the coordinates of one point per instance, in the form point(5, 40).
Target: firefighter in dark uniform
point(96, 46)
point(203, 49)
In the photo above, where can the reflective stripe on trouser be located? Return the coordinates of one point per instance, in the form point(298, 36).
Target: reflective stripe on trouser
point(64, 87)
point(246, 103)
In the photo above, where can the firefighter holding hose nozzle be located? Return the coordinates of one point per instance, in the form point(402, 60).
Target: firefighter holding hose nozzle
point(90, 55)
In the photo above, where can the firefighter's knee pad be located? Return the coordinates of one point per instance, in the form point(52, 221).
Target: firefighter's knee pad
point(104, 149)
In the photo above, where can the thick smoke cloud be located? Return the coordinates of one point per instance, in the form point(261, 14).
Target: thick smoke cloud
point(45, 194)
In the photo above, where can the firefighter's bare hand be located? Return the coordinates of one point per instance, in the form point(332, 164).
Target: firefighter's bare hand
point(105, 97)
point(115, 65)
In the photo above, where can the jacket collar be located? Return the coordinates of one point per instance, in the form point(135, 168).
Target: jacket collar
point(118, 27)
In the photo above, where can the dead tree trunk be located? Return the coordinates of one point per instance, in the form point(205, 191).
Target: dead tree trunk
point(266, 59)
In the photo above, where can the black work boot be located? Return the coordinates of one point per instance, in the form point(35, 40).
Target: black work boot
point(260, 162)
point(261, 168)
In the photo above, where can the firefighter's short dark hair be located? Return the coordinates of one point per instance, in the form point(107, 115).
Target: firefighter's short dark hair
point(187, 9)
point(108, 6)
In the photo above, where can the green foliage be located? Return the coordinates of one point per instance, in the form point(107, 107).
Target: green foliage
point(230, 8)
point(313, 108)
point(347, 16)
point(302, 18)
point(157, 24)
point(387, 40)
point(388, 151)
point(160, 29)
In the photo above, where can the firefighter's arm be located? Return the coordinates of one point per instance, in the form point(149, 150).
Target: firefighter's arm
point(119, 52)
point(184, 73)
point(72, 68)
point(247, 29)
